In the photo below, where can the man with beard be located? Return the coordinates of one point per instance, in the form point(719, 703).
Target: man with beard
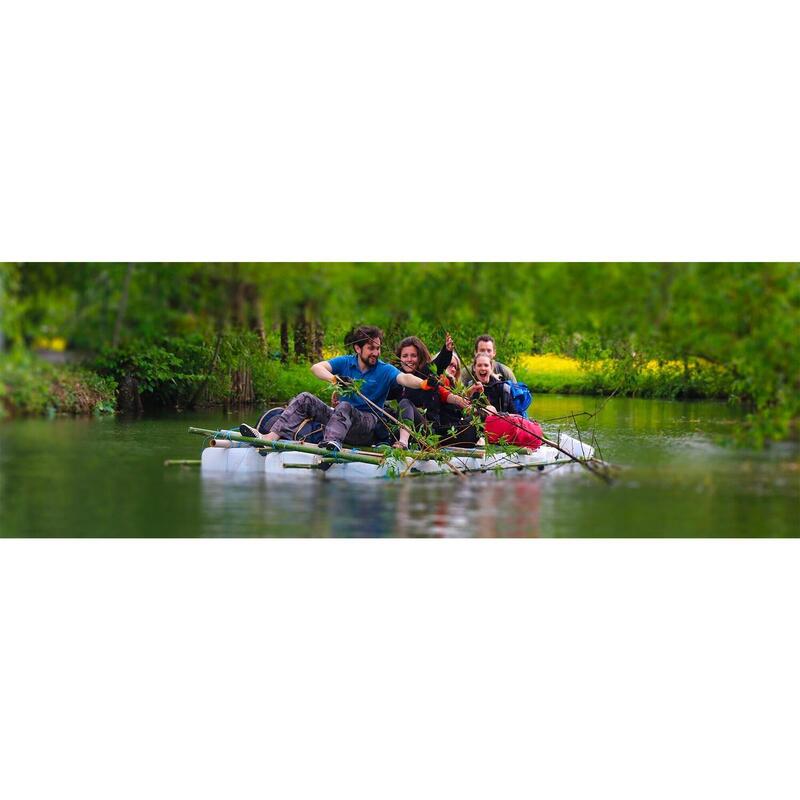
point(354, 420)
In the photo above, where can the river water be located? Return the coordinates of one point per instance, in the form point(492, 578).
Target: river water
point(106, 478)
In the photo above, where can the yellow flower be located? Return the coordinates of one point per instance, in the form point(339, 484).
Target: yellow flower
point(550, 364)
point(55, 343)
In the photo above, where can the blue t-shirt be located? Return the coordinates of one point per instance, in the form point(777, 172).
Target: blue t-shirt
point(377, 381)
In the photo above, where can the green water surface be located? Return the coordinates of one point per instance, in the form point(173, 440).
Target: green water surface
point(106, 478)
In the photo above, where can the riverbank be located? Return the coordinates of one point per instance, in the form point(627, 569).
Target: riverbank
point(181, 378)
point(195, 374)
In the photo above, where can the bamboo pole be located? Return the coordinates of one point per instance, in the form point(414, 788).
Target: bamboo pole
point(460, 452)
point(342, 455)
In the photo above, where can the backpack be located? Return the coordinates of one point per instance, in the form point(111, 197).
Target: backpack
point(308, 431)
point(268, 419)
point(521, 397)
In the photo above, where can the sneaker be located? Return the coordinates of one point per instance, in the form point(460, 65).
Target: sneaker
point(246, 430)
point(331, 446)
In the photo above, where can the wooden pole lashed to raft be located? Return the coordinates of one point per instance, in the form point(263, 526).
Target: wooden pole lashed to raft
point(342, 455)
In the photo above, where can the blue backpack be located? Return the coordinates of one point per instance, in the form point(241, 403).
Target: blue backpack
point(521, 397)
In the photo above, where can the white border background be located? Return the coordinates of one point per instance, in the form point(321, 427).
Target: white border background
point(396, 669)
point(428, 130)
point(414, 131)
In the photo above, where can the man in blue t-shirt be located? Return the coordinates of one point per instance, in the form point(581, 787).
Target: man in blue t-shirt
point(357, 419)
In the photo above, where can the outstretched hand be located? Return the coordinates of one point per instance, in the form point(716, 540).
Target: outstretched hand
point(448, 342)
point(343, 381)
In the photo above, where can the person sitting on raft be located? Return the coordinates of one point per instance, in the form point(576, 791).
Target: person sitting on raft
point(490, 385)
point(356, 419)
point(454, 428)
point(484, 345)
point(418, 407)
point(501, 424)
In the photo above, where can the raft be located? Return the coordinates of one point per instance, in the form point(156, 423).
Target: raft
point(295, 460)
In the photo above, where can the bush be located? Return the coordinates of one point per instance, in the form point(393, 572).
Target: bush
point(31, 386)
point(156, 369)
point(280, 382)
point(178, 372)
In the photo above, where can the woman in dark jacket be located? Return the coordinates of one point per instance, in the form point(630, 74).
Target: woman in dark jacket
point(417, 407)
point(454, 428)
point(489, 385)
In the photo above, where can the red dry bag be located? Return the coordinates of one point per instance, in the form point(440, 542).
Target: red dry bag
point(513, 429)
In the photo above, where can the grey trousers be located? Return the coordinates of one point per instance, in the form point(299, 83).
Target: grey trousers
point(344, 424)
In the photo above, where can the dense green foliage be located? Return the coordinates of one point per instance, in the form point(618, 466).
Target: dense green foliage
point(32, 386)
point(190, 333)
point(181, 371)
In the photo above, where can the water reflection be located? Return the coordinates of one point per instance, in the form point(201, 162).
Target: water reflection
point(252, 506)
point(483, 506)
point(311, 506)
point(106, 478)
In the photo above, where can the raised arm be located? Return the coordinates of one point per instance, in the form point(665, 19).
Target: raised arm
point(442, 360)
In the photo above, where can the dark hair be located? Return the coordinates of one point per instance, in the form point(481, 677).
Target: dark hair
point(361, 335)
point(422, 351)
point(484, 338)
